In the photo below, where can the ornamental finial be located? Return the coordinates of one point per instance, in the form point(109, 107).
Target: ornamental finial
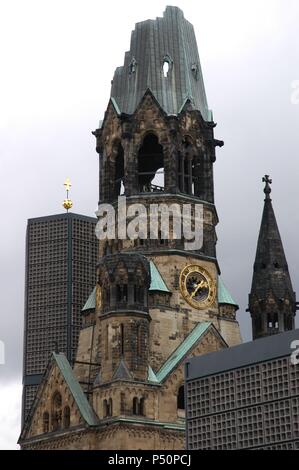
point(67, 203)
point(267, 189)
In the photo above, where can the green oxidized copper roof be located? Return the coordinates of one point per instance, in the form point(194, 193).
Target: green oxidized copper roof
point(151, 377)
point(170, 39)
point(224, 296)
point(179, 354)
point(91, 302)
point(157, 283)
point(80, 398)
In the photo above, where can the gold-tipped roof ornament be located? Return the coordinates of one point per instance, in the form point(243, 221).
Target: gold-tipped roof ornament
point(67, 203)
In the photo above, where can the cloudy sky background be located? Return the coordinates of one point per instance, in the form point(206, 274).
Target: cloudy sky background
point(57, 61)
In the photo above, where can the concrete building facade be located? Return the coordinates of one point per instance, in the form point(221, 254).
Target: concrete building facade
point(61, 257)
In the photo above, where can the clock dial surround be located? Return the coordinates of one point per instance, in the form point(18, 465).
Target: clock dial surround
point(197, 286)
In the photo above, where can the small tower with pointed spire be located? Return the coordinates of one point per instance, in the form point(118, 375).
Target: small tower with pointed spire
point(272, 301)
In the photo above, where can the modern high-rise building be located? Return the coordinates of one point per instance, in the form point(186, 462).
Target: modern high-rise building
point(61, 257)
point(245, 397)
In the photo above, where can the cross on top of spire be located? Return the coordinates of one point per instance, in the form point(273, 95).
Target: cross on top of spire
point(267, 190)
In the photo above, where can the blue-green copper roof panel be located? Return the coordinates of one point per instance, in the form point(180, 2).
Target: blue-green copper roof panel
point(157, 282)
point(182, 350)
point(151, 375)
point(91, 302)
point(171, 39)
point(80, 398)
point(224, 296)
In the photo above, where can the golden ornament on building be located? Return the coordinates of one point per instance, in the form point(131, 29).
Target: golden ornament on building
point(197, 287)
point(67, 203)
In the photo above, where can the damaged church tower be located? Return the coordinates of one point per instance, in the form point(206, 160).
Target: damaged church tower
point(155, 303)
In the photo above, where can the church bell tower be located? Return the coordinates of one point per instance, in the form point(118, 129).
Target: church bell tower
point(156, 147)
point(159, 297)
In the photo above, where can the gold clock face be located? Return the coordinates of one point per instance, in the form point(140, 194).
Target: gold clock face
point(197, 287)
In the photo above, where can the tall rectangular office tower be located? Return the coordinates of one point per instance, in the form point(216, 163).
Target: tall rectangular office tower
point(61, 258)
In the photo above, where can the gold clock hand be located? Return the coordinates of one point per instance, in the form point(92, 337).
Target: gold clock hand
point(197, 289)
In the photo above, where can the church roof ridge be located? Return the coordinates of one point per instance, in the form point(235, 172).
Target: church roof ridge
point(90, 304)
point(224, 296)
point(180, 352)
point(157, 282)
point(80, 398)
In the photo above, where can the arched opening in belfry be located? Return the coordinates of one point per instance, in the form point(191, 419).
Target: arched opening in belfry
point(151, 165)
point(273, 321)
point(187, 168)
point(119, 171)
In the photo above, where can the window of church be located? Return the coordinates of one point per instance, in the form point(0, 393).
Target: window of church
point(46, 422)
point(165, 68)
point(138, 406)
point(110, 407)
point(121, 292)
point(167, 65)
point(138, 294)
point(105, 409)
point(151, 165)
point(122, 339)
point(56, 418)
point(187, 168)
point(119, 172)
point(141, 406)
point(66, 417)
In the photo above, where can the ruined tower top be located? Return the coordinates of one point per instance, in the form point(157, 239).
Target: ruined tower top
point(163, 58)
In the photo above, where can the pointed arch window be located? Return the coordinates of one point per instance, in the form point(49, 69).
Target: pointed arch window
point(151, 165)
point(135, 406)
point(46, 422)
point(188, 169)
point(56, 413)
point(138, 406)
point(122, 339)
point(66, 417)
point(139, 295)
point(105, 409)
point(119, 172)
point(121, 293)
point(167, 66)
point(141, 406)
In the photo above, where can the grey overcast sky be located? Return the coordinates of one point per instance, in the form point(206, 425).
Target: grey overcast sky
point(57, 62)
